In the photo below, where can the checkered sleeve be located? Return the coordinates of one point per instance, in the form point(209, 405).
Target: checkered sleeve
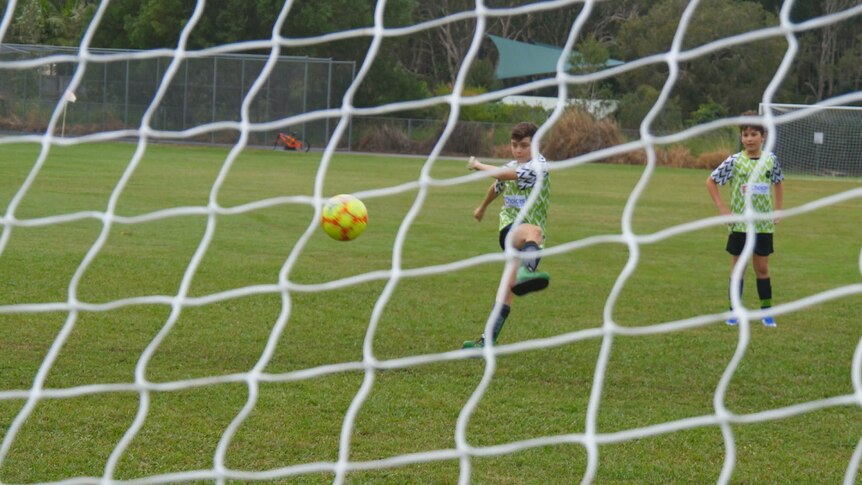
point(499, 186)
point(722, 174)
point(526, 177)
point(777, 173)
point(528, 173)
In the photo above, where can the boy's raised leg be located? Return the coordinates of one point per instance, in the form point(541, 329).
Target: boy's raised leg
point(528, 279)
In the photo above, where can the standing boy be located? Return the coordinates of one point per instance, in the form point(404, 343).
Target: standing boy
point(751, 171)
point(516, 181)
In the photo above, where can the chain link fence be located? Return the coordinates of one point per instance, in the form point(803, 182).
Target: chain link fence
point(119, 86)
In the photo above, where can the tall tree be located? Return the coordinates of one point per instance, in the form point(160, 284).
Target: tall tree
point(734, 77)
point(28, 23)
point(66, 23)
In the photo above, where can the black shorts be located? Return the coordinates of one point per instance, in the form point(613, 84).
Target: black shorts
point(762, 243)
point(503, 232)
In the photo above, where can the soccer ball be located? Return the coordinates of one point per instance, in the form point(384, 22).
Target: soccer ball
point(344, 217)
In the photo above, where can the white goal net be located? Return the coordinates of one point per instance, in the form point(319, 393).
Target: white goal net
point(825, 141)
point(570, 439)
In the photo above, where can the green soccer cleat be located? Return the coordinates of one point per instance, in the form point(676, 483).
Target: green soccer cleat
point(474, 344)
point(527, 281)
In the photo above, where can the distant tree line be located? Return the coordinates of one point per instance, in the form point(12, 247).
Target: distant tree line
point(416, 65)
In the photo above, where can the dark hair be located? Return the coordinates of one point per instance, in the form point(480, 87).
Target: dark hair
point(757, 127)
point(523, 130)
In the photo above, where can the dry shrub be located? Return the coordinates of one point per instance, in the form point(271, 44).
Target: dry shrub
point(466, 139)
point(676, 156)
point(386, 139)
point(577, 133)
point(502, 151)
point(35, 121)
point(11, 122)
point(712, 159)
point(629, 158)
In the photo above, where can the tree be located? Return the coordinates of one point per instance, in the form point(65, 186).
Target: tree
point(29, 24)
point(66, 23)
point(446, 45)
point(831, 44)
point(733, 77)
point(634, 106)
point(591, 56)
point(850, 66)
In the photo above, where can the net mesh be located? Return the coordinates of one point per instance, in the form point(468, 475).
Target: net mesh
point(823, 142)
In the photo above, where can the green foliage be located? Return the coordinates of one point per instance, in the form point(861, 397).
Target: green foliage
point(734, 77)
point(634, 106)
point(591, 56)
point(389, 82)
point(849, 66)
point(497, 112)
point(503, 113)
point(482, 74)
point(29, 24)
point(65, 25)
point(158, 23)
point(708, 111)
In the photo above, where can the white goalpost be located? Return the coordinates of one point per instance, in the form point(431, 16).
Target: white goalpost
point(822, 139)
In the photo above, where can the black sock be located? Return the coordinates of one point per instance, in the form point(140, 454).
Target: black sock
point(501, 319)
point(741, 284)
point(528, 259)
point(764, 291)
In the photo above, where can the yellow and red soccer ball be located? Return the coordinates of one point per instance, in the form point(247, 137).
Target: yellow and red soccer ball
point(344, 217)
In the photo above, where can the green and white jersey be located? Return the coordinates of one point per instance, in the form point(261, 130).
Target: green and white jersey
point(515, 193)
point(750, 174)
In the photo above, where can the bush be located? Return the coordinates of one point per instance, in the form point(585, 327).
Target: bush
point(707, 112)
point(634, 106)
point(675, 156)
point(385, 139)
point(465, 139)
point(711, 160)
point(577, 133)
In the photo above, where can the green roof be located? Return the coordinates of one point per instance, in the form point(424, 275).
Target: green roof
point(524, 59)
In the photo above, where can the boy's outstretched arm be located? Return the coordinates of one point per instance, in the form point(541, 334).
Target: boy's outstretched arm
point(501, 173)
point(490, 195)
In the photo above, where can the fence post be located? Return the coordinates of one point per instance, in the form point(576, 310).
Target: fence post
point(126, 98)
point(328, 99)
point(215, 88)
point(305, 97)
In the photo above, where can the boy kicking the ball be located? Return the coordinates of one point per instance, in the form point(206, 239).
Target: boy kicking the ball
point(751, 171)
point(515, 181)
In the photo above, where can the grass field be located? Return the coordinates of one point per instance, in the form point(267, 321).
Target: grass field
point(650, 379)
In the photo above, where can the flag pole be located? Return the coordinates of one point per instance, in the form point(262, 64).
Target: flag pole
point(68, 97)
point(63, 127)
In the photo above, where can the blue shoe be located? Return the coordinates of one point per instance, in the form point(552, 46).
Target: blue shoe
point(769, 322)
point(732, 321)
